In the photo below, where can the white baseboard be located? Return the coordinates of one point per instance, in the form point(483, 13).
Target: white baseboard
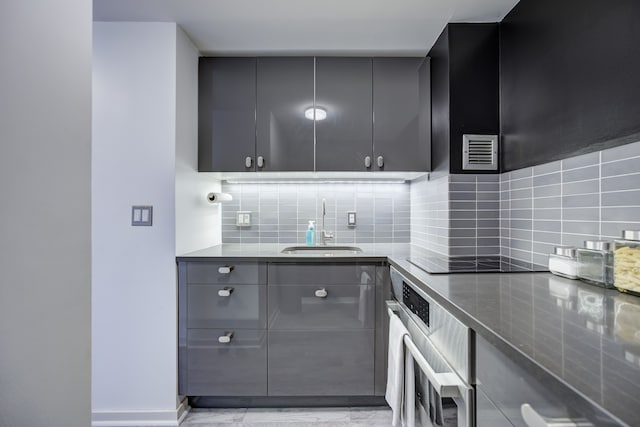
point(168, 418)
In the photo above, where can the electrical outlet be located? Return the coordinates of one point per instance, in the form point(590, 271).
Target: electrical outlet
point(243, 219)
point(351, 219)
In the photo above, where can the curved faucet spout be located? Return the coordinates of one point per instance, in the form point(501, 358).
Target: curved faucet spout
point(325, 235)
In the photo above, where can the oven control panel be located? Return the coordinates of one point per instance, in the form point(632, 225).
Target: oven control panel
point(415, 303)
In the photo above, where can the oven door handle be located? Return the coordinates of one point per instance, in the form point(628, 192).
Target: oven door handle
point(446, 384)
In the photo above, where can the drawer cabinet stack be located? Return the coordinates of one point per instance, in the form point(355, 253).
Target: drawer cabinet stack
point(225, 353)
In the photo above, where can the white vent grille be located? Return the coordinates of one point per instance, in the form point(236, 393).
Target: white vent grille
point(480, 152)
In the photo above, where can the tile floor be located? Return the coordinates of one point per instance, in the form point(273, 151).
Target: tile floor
point(289, 417)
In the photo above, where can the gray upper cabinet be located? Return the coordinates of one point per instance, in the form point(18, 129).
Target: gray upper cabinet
point(401, 114)
point(252, 114)
point(226, 114)
point(284, 135)
point(343, 90)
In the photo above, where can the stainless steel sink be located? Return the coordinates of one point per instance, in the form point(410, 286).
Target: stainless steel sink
point(322, 250)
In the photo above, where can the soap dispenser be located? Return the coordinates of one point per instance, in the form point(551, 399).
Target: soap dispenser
point(311, 234)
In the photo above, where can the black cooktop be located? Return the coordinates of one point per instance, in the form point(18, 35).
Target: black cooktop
point(439, 264)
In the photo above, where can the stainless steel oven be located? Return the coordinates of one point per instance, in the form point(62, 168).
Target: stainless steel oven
point(440, 391)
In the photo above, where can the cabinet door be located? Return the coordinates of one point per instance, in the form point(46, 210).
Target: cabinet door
point(321, 363)
point(234, 368)
point(284, 134)
point(344, 137)
point(397, 137)
point(226, 114)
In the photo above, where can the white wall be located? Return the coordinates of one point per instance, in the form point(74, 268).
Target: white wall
point(198, 223)
point(134, 270)
point(45, 262)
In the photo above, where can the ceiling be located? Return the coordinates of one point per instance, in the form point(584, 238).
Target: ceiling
point(310, 27)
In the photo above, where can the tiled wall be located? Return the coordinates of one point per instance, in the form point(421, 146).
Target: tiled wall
point(430, 214)
point(280, 212)
point(589, 197)
point(456, 215)
point(473, 222)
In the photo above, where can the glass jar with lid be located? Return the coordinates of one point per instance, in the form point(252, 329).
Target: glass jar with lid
point(563, 262)
point(626, 262)
point(595, 263)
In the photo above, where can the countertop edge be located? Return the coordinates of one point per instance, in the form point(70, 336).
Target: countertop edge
point(495, 338)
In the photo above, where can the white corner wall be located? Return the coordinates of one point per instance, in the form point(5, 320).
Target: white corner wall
point(198, 223)
point(45, 213)
point(134, 270)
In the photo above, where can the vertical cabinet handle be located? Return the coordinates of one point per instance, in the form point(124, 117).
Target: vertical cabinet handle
point(321, 293)
point(367, 162)
point(248, 161)
point(225, 292)
point(225, 269)
point(260, 161)
point(380, 161)
point(533, 419)
point(226, 338)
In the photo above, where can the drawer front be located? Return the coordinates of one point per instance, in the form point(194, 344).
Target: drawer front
point(237, 368)
point(226, 306)
point(325, 307)
point(320, 274)
point(321, 363)
point(239, 273)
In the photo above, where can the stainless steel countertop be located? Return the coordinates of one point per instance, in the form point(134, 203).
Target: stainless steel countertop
point(586, 337)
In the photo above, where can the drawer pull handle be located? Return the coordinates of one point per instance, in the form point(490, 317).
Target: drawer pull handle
point(248, 161)
point(380, 161)
point(367, 162)
point(226, 338)
point(533, 419)
point(321, 293)
point(225, 292)
point(225, 269)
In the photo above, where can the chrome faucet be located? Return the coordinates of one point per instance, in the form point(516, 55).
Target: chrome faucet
point(325, 235)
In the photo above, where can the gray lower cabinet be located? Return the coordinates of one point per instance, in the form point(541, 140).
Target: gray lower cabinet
point(504, 385)
point(487, 413)
point(321, 363)
point(253, 328)
point(222, 328)
point(321, 329)
point(234, 368)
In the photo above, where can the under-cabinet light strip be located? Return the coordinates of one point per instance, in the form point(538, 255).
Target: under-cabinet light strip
point(324, 181)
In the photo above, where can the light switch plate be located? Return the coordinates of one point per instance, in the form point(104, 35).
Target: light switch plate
point(243, 218)
point(142, 216)
point(351, 219)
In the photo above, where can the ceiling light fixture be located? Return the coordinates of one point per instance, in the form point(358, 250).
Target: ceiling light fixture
point(320, 113)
